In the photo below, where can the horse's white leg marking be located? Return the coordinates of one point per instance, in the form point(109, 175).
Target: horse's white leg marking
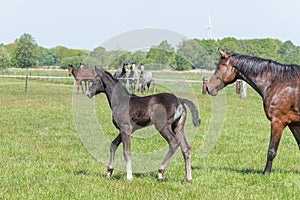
point(129, 170)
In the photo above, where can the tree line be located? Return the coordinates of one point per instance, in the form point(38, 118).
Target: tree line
point(189, 54)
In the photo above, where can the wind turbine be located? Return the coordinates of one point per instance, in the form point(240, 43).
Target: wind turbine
point(209, 29)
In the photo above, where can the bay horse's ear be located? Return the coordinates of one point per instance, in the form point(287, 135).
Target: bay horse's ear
point(223, 54)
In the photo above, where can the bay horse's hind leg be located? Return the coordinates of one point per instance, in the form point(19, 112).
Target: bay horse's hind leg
point(113, 147)
point(296, 132)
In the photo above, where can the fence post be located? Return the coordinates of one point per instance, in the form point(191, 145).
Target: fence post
point(204, 82)
point(26, 83)
point(181, 87)
point(244, 91)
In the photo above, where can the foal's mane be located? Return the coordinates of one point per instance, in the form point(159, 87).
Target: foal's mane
point(257, 66)
point(116, 81)
point(111, 76)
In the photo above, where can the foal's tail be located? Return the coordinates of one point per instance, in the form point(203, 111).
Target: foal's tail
point(194, 110)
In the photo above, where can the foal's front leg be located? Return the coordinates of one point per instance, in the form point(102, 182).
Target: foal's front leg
point(113, 147)
point(127, 154)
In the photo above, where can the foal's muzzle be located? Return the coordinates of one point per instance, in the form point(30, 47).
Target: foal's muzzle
point(89, 94)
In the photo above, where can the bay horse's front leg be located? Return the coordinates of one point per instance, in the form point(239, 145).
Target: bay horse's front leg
point(276, 132)
point(77, 84)
point(113, 147)
point(296, 132)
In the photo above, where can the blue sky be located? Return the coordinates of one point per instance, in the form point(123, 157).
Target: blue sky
point(89, 23)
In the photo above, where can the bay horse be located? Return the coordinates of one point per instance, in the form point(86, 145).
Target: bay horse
point(81, 74)
point(130, 113)
point(277, 84)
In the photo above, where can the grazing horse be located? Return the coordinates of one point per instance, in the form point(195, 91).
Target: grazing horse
point(81, 74)
point(121, 75)
point(129, 112)
point(146, 78)
point(278, 85)
point(132, 77)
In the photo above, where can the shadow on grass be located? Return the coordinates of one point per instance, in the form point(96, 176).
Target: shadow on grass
point(121, 176)
point(254, 171)
point(116, 175)
point(82, 172)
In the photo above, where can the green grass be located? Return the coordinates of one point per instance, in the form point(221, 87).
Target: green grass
point(43, 157)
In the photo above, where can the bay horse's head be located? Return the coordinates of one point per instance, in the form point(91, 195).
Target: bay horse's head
point(70, 69)
point(225, 74)
point(97, 85)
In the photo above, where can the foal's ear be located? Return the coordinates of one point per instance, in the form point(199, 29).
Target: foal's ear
point(223, 54)
point(98, 71)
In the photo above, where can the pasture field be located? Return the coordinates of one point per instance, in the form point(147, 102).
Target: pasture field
point(42, 155)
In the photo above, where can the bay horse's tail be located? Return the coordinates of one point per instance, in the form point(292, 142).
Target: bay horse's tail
point(194, 110)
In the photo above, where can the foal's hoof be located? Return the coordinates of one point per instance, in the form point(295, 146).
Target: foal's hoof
point(108, 176)
point(189, 181)
point(109, 173)
point(161, 179)
point(266, 173)
point(161, 175)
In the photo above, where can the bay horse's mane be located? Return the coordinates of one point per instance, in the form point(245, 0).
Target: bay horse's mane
point(257, 66)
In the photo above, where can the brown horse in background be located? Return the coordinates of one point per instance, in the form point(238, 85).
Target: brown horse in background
point(81, 74)
point(278, 85)
point(130, 113)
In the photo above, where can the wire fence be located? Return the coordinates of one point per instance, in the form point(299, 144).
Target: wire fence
point(180, 83)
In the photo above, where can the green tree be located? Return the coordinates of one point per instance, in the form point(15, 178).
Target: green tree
point(99, 57)
point(229, 44)
point(5, 60)
point(164, 45)
point(25, 53)
point(193, 53)
point(180, 63)
point(75, 61)
point(46, 57)
point(162, 55)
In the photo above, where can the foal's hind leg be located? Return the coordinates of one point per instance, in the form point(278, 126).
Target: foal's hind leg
point(113, 147)
point(167, 133)
point(296, 132)
point(185, 147)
